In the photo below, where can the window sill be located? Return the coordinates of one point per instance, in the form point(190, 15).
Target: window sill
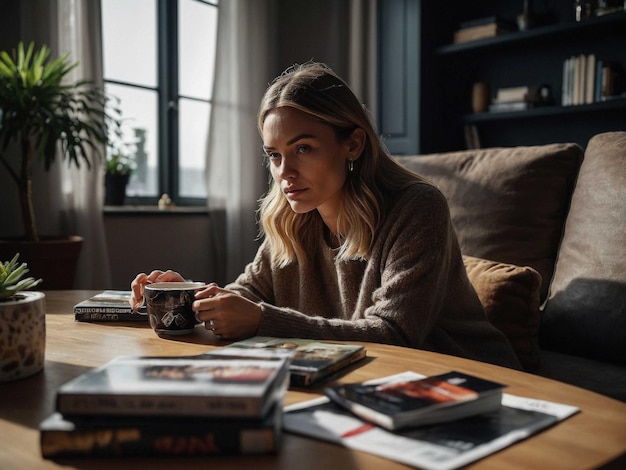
point(154, 210)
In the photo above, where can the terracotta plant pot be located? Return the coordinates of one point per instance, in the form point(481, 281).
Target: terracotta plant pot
point(22, 336)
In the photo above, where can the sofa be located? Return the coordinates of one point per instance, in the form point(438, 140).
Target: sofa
point(542, 230)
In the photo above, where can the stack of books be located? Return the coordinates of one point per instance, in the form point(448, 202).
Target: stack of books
point(518, 98)
point(169, 406)
point(108, 306)
point(481, 28)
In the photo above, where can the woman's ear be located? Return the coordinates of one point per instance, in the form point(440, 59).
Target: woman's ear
point(356, 143)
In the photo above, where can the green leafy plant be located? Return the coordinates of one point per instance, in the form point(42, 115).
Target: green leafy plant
point(41, 113)
point(119, 164)
point(11, 281)
point(119, 160)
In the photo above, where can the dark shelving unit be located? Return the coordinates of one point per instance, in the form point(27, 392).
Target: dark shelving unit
point(600, 24)
point(533, 58)
point(616, 104)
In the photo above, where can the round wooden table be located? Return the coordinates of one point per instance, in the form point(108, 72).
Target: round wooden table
point(592, 438)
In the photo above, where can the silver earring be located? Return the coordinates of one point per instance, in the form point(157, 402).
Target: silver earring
point(350, 166)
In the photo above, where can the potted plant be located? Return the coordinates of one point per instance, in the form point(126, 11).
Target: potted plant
point(22, 323)
point(118, 167)
point(41, 115)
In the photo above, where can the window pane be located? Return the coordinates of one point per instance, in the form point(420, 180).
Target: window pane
point(194, 130)
point(197, 36)
point(129, 41)
point(139, 126)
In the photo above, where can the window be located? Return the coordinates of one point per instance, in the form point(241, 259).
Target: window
point(159, 58)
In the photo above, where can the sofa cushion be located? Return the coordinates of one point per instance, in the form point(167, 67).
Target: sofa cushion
point(510, 295)
point(586, 311)
point(598, 376)
point(507, 204)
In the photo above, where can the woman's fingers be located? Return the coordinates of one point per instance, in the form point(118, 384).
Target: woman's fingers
point(226, 313)
point(136, 291)
point(142, 279)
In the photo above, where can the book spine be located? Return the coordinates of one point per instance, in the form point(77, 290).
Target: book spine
point(508, 107)
point(479, 22)
point(307, 378)
point(156, 441)
point(106, 314)
point(151, 405)
point(598, 86)
point(590, 82)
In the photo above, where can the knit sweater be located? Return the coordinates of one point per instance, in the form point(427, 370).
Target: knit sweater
point(412, 291)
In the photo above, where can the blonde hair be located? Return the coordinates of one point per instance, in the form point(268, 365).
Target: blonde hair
point(316, 90)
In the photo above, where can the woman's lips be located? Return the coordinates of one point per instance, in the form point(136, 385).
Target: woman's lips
point(293, 193)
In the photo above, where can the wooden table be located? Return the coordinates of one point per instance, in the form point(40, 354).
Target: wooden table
point(594, 437)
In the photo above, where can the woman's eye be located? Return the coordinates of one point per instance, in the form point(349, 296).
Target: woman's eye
point(302, 149)
point(272, 155)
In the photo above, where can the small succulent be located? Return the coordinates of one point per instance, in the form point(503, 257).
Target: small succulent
point(11, 281)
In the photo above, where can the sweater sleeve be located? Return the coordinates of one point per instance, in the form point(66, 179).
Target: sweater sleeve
point(255, 283)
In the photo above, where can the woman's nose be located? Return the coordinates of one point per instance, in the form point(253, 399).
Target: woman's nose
point(287, 170)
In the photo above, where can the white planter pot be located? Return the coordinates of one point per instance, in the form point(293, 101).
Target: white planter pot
point(22, 336)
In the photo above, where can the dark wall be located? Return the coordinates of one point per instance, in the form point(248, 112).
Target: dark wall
point(312, 30)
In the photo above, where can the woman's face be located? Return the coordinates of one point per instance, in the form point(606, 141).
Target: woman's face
point(307, 161)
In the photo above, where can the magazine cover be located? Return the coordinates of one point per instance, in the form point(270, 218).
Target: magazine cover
point(108, 306)
point(311, 360)
point(191, 386)
point(403, 402)
point(441, 446)
point(101, 436)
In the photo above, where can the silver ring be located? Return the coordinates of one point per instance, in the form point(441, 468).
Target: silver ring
point(212, 325)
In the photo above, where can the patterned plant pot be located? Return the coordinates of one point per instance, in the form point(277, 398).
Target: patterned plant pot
point(22, 336)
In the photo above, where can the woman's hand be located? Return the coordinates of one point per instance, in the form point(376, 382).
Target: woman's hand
point(226, 313)
point(143, 279)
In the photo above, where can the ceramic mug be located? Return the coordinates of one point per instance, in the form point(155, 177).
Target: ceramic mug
point(169, 307)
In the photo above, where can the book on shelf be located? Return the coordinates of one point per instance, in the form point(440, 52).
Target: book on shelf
point(408, 402)
point(481, 21)
point(102, 436)
point(312, 361)
point(588, 79)
point(203, 385)
point(516, 94)
point(510, 106)
point(481, 31)
point(441, 446)
point(108, 306)
point(472, 138)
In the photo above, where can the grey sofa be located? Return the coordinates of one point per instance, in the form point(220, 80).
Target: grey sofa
point(543, 233)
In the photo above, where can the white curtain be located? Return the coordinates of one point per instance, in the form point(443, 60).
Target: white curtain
point(69, 200)
point(362, 52)
point(236, 176)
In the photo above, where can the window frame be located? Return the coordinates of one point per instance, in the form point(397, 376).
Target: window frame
point(168, 99)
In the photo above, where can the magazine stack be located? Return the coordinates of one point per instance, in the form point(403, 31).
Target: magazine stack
point(440, 422)
point(169, 406)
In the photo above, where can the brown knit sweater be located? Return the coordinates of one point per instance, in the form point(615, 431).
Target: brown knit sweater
point(412, 291)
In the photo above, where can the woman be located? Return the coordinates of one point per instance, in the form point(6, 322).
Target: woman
point(355, 246)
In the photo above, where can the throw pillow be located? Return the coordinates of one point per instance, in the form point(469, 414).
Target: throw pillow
point(510, 295)
point(507, 204)
point(586, 311)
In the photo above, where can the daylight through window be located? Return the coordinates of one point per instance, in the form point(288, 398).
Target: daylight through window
point(159, 62)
